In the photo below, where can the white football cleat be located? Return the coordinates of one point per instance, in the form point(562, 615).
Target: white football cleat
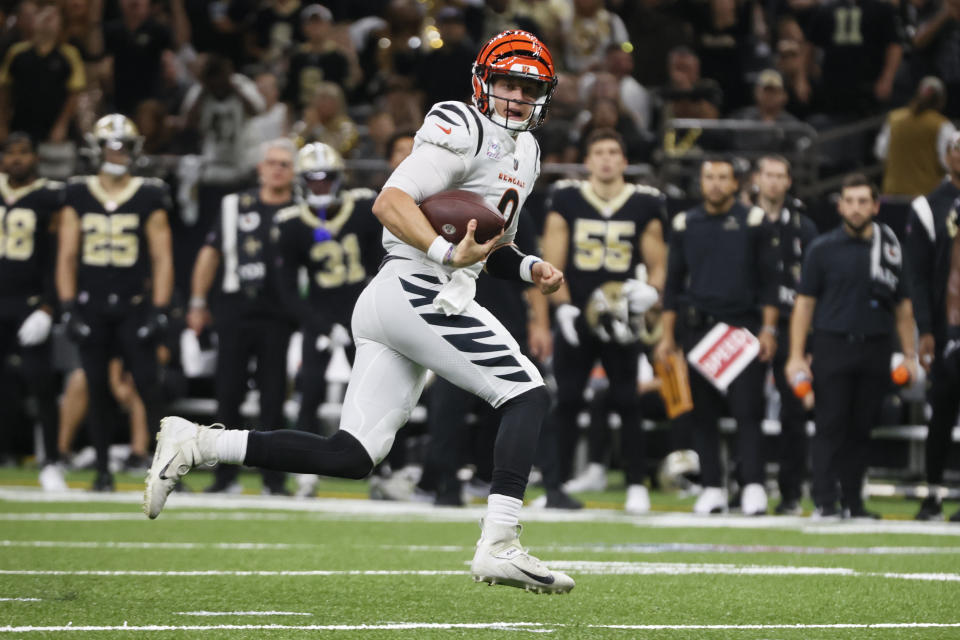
point(51, 477)
point(593, 478)
point(179, 449)
point(306, 485)
point(638, 500)
point(711, 500)
point(753, 500)
point(501, 560)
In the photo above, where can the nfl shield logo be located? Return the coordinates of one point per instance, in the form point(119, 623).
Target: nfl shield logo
point(516, 164)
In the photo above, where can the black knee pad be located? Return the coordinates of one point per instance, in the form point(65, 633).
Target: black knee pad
point(535, 400)
point(355, 462)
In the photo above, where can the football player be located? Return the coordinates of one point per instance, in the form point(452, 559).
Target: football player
point(793, 232)
point(335, 237)
point(251, 319)
point(599, 232)
point(28, 216)
point(115, 275)
point(418, 313)
point(930, 237)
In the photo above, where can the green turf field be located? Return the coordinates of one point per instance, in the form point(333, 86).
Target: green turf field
point(85, 565)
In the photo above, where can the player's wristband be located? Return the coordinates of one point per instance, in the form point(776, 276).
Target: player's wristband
point(441, 251)
point(526, 268)
point(769, 328)
point(196, 302)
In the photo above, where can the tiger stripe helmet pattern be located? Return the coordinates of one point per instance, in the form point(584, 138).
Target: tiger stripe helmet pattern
point(521, 55)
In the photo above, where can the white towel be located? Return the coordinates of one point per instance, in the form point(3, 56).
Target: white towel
point(456, 294)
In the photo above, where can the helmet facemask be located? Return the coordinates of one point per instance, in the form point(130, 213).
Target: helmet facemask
point(320, 171)
point(538, 106)
point(115, 135)
point(321, 188)
point(119, 145)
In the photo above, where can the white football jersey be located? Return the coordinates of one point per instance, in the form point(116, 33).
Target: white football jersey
point(492, 163)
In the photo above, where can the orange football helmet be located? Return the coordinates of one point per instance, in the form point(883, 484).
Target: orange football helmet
point(517, 54)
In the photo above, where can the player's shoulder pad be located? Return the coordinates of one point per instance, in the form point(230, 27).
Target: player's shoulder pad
point(680, 221)
point(453, 126)
point(755, 217)
point(156, 183)
point(293, 212)
point(528, 148)
point(566, 183)
point(361, 193)
point(559, 191)
point(647, 190)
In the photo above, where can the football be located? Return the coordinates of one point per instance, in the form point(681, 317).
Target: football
point(450, 211)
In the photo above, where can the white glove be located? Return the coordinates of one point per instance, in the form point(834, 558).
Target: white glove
point(323, 342)
point(640, 295)
point(35, 328)
point(339, 336)
point(566, 315)
point(622, 332)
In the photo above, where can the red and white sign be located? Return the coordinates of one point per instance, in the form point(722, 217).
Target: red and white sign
point(723, 354)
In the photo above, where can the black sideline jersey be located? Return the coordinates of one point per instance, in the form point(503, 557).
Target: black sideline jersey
point(114, 255)
point(836, 272)
point(722, 264)
point(604, 235)
point(243, 234)
point(27, 246)
point(340, 252)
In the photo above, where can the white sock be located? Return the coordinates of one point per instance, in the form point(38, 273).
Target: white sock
point(503, 510)
point(230, 445)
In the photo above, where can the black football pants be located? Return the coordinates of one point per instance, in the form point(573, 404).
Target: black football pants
point(572, 366)
point(944, 398)
point(35, 365)
point(238, 339)
point(850, 379)
point(744, 402)
point(793, 427)
point(313, 384)
point(113, 334)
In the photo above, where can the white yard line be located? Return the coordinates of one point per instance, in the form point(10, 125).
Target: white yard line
point(350, 509)
point(186, 546)
point(583, 567)
point(20, 600)
point(218, 572)
point(643, 549)
point(240, 613)
point(682, 547)
point(519, 626)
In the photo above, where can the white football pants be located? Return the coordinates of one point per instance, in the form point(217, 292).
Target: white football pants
point(399, 335)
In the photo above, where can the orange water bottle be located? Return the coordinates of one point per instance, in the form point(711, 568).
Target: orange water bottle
point(900, 375)
point(802, 385)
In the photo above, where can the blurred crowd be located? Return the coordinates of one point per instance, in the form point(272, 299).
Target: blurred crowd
point(212, 77)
